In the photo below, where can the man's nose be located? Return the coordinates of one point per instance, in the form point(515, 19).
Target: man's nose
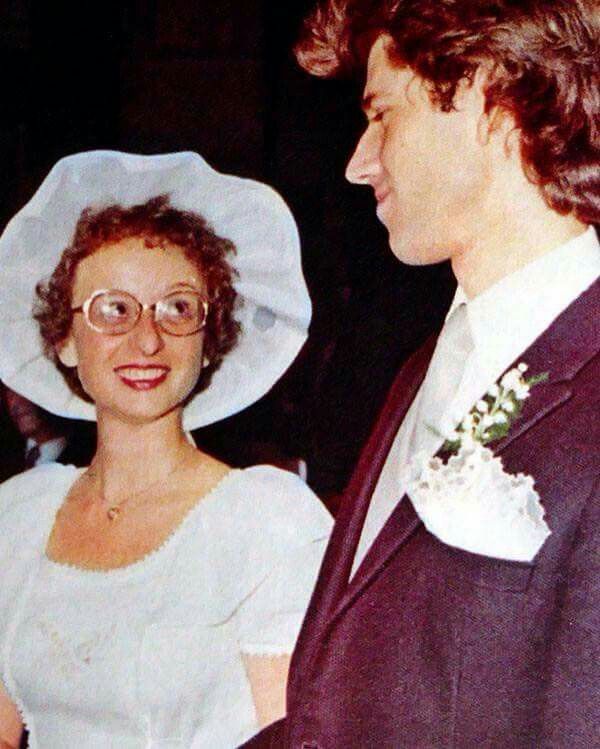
point(147, 335)
point(364, 164)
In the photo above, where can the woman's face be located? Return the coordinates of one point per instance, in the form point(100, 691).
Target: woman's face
point(144, 374)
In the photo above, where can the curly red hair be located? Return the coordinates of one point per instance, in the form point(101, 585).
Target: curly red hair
point(544, 70)
point(156, 221)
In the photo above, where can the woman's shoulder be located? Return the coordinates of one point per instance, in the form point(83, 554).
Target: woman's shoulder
point(28, 495)
point(262, 529)
point(46, 475)
point(272, 501)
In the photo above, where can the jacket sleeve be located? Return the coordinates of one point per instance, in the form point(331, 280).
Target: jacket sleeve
point(271, 737)
point(571, 712)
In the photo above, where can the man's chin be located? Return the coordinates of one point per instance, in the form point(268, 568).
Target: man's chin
point(409, 255)
point(416, 251)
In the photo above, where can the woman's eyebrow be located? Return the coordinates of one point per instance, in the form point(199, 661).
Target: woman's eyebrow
point(179, 284)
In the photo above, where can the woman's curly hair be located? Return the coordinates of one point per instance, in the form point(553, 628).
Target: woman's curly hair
point(157, 222)
point(543, 63)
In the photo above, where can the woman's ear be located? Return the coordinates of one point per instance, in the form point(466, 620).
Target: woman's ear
point(67, 353)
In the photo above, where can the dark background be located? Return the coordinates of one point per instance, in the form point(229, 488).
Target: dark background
point(219, 78)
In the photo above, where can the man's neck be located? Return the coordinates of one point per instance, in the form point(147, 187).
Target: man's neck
point(516, 230)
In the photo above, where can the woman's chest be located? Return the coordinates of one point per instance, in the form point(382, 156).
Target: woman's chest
point(78, 643)
point(141, 654)
point(98, 537)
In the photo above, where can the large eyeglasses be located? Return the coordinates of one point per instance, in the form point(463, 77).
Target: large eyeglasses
point(116, 312)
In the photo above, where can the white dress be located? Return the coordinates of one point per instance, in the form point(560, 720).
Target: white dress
point(149, 656)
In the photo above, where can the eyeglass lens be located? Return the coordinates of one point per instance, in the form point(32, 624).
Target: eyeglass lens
point(117, 312)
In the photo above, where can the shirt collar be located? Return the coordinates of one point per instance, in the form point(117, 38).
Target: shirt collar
point(509, 316)
point(49, 450)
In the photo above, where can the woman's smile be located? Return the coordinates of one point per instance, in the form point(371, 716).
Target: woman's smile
point(142, 376)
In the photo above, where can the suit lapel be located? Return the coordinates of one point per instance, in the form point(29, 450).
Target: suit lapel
point(562, 350)
point(401, 524)
point(403, 520)
point(332, 585)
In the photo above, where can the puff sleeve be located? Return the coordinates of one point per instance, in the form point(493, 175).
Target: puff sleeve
point(294, 530)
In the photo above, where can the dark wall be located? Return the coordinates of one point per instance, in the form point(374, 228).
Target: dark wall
point(218, 77)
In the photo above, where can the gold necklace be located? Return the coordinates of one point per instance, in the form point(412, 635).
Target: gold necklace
point(115, 508)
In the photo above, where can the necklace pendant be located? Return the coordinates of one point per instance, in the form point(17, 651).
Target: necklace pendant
point(113, 513)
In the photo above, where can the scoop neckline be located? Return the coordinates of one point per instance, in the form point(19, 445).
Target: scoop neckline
point(146, 561)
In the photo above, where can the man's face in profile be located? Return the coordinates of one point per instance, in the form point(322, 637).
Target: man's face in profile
point(26, 416)
point(430, 170)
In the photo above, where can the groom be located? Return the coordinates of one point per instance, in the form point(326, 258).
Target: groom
point(482, 146)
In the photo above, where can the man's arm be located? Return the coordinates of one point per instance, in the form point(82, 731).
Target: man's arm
point(269, 738)
point(571, 712)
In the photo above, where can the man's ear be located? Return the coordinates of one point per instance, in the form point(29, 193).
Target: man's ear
point(494, 122)
point(67, 353)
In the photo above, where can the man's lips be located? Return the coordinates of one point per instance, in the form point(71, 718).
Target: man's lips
point(381, 196)
point(142, 376)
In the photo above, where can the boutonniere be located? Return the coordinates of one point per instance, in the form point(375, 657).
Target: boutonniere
point(470, 501)
point(492, 416)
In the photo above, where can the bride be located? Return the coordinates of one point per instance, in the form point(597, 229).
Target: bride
point(152, 599)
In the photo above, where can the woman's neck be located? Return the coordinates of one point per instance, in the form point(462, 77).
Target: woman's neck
point(130, 457)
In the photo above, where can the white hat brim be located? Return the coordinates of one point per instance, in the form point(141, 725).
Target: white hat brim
point(275, 308)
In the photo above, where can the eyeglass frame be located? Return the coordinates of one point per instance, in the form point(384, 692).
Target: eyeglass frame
point(84, 308)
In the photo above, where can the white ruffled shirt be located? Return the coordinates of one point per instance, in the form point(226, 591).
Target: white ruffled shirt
point(149, 656)
point(504, 321)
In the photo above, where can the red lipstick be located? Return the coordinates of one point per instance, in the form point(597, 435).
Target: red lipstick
point(142, 376)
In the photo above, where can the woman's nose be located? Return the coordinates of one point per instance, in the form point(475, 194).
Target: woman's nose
point(364, 164)
point(147, 335)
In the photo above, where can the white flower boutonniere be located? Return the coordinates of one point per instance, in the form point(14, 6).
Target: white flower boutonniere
point(470, 502)
point(492, 416)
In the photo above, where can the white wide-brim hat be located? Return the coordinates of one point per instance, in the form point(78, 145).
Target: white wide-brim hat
point(275, 307)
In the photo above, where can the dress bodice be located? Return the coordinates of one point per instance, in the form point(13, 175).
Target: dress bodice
point(150, 655)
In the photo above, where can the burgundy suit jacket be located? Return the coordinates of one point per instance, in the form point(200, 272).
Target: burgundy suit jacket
point(429, 646)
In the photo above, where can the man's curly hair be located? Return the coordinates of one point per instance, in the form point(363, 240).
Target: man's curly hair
point(156, 221)
point(543, 58)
